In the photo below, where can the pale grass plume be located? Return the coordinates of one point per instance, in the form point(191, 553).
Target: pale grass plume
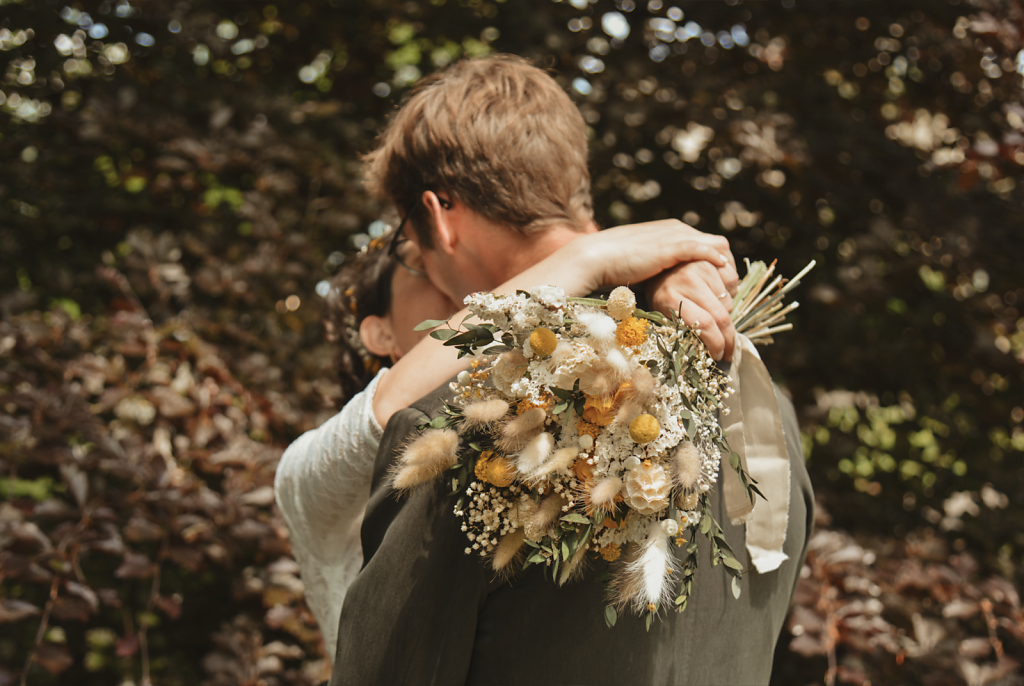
point(628, 411)
point(687, 463)
point(508, 549)
point(573, 568)
point(645, 579)
point(599, 381)
point(561, 459)
point(620, 364)
point(433, 452)
point(541, 519)
point(483, 413)
point(641, 388)
point(600, 326)
point(535, 453)
point(520, 430)
point(602, 494)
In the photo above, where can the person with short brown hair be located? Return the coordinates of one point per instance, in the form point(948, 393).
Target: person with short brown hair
point(497, 133)
point(476, 165)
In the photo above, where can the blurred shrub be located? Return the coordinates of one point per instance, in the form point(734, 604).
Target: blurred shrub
point(180, 180)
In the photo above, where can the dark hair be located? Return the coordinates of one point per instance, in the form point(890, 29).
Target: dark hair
point(361, 289)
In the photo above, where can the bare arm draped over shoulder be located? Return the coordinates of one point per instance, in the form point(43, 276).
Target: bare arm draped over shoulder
point(322, 486)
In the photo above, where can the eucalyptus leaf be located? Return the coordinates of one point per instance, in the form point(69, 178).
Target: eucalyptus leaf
point(443, 334)
point(610, 616)
point(575, 518)
point(429, 324)
point(732, 562)
point(736, 587)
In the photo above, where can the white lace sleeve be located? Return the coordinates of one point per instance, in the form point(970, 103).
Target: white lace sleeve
point(322, 485)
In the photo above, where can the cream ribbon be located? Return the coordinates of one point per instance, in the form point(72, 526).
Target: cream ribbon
point(753, 429)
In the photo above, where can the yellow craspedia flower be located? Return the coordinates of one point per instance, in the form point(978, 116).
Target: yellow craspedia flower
point(600, 411)
point(497, 471)
point(631, 332)
point(543, 341)
point(644, 429)
point(610, 552)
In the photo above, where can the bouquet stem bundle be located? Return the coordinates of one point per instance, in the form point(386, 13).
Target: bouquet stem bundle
point(758, 310)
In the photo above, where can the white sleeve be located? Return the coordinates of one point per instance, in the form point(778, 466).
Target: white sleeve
point(322, 485)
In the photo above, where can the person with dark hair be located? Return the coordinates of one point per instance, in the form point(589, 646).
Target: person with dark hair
point(323, 480)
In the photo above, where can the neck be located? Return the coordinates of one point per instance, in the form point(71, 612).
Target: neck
point(501, 253)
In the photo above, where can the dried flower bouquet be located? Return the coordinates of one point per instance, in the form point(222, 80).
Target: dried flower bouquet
point(589, 426)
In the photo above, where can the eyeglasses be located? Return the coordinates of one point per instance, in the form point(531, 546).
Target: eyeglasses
point(398, 238)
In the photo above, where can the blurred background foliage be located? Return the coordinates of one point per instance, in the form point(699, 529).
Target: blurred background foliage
point(180, 179)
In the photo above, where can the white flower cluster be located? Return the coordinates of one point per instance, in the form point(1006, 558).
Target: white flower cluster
point(611, 460)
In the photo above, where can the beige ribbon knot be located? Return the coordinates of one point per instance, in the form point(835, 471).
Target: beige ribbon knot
point(753, 429)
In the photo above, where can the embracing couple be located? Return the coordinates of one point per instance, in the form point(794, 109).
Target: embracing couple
point(487, 162)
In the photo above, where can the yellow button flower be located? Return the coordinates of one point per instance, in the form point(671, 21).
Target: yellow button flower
point(497, 471)
point(644, 429)
point(543, 341)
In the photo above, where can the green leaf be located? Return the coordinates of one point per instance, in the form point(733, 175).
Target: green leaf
point(536, 558)
point(436, 422)
point(732, 562)
point(565, 551)
point(736, 587)
point(610, 616)
point(650, 618)
point(705, 524)
point(443, 334)
point(734, 460)
point(575, 518)
point(496, 350)
point(429, 324)
point(560, 408)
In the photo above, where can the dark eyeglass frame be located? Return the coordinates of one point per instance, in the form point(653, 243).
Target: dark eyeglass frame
point(398, 237)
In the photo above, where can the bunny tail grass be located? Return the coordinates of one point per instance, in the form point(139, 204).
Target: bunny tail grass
point(508, 549)
point(561, 459)
point(520, 430)
point(644, 581)
point(426, 457)
point(483, 413)
point(574, 568)
point(546, 514)
point(602, 495)
point(687, 465)
point(535, 454)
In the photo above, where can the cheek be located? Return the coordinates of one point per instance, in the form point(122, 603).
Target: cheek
point(424, 302)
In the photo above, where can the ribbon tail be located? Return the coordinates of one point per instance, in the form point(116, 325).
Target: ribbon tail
point(756, 434)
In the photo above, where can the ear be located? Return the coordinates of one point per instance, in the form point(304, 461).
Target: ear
point(377, 336)
point(445, 227)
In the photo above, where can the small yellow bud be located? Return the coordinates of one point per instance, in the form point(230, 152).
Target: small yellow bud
point(644, 429)
point(543, 341)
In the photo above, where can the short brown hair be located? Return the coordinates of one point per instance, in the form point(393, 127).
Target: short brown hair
point(498, 134)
